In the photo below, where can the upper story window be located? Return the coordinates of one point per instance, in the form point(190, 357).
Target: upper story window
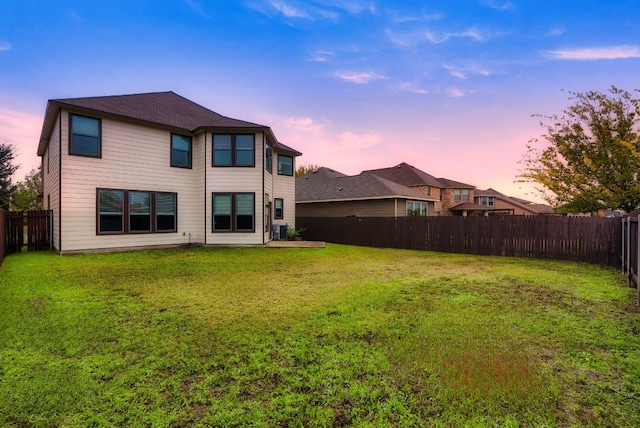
point(285, 165)
point(268, 158)
point(180, 151)
point(461, 194)
point(233, 150)
point(487, 201)
point(84, 139)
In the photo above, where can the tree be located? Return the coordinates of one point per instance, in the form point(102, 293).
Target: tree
point(591, 159)
point(7, 154)
point(306, 169)
point(28, 193)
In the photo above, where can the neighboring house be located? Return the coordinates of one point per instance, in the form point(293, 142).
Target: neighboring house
point(496, 203)
point(156, 169)
point(448, 193)
point(328, 193)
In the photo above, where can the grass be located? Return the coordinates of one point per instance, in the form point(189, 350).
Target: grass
point(342, 336)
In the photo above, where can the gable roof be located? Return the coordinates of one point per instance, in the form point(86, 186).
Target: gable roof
point(406, 175)
point(451, 184)
point(158, 109)
point(326, 185)
point(522, 203)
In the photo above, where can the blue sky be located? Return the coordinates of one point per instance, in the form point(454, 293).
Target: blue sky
point(447, 86)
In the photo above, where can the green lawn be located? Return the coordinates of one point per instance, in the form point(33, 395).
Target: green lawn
point(341, 336)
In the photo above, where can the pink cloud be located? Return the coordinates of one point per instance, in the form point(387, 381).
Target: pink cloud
point(22, 130)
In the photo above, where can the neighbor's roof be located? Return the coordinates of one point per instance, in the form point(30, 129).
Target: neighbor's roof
point(406, 175)
point(326, 185)
point(522, 203)
point(160, 109)
point(451, 184)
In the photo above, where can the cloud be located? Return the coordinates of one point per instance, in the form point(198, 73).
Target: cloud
point(23, 131)
point(5, 46)
point(455, 92)
point(464, 72)
point(472, 33)
point(555, 32)
point(358, 77)
point(292, 9)
point(196, 7)
point(320, 56)
point(499, 5)
point(353, 142)
point(288, 10)
point(303, 124)
point(412, 88)
point(593, 54)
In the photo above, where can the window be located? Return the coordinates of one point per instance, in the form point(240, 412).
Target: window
point(487, 201)
point(166, 212)
point(180, 151)
point(279, 208)
point(233, 150)
point(233, 212)
point(461, 194)
point(267, 212)
point(415, 208)
point(110, 211)
point(134, 211)
point(139, 211)
point(85, 136)
point(268, 159)
point(285, 165)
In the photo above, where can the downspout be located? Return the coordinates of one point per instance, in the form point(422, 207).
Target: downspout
point(59, 179)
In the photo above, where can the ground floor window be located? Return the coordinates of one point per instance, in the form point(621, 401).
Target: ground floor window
point(415, 208)
point(135, 211)
point(233, 212)
point(279, 208)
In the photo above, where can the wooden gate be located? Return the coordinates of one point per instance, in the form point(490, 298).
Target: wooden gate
point(38, 230)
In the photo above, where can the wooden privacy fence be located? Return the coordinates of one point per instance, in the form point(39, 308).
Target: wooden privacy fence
point(588, 239)
point(38, 230)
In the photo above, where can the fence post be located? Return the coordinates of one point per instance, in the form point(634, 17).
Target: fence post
point(623, 258)
point(628, 255)
point(638, 262)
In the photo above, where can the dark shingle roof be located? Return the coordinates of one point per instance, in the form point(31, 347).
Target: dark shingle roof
point(329, 185)
point(162, 109)
point(407, 175)
point(451, 184)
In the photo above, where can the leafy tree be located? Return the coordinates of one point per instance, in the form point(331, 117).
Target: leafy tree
point(7, 154)
point(591, 158)
point(28, 193)
point(306, 169)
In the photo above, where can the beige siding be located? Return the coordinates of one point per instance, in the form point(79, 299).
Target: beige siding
point(370, 208)
point(284, 187)
point(236, 180)
point(268, 188)
point(50, 181)
point(134, 157)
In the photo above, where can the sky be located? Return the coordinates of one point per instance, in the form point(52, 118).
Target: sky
point(451, 87)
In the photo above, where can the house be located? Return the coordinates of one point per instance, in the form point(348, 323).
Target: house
point(328, 193)
point(448, 193)
point(398, 191)
point(497, 203)
point(156, 169)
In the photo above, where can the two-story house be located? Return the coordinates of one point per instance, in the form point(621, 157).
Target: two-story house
point(156, 169)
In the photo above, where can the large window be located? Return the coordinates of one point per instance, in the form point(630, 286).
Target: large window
point(233, 150)
point(285, 165)
point(233, 212)
point(461, 194)
point(84, 139)
point(279, 208)
point(180, 151)
point(134, 211)
point(415, 208)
